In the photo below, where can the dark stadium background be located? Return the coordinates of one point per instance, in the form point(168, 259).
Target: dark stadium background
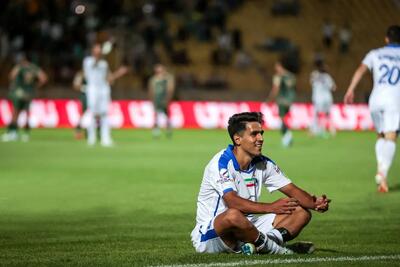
point(192, 39)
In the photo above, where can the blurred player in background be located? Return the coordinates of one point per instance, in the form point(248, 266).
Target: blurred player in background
point(322, 87)
point(98, 91)
point(384, 102)
point(25, 77)
point(79, 84)
point(161, 90)
point(228, 201)
point(283, 92)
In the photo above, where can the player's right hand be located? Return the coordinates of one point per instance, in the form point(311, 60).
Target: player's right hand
point(349, 97)
point(284, 206)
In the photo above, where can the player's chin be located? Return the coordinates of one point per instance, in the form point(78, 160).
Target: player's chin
point(257, 151)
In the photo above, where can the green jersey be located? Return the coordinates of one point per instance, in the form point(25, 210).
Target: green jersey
point(287, 88)
point(25, 81)
point(159, 86)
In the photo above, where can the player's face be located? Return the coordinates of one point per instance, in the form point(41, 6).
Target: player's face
point(96, 51)
point(159, 69)
point(278, 68)
point(252, 139)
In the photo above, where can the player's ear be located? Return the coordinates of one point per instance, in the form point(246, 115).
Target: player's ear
point(386, 40)
point(237, 139)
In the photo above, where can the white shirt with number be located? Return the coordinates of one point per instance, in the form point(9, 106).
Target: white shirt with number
point(384, 63)
point(223, 175)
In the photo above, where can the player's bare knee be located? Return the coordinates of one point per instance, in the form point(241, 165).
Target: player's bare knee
point(303, 214)
point(235, 218)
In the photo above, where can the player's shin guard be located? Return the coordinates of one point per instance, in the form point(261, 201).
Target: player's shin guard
point(265, 245)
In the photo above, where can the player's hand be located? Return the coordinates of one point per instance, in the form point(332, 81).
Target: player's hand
point(349, 97)
point(322, 203)
point(284, 206)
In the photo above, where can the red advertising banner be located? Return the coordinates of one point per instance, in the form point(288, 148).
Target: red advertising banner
point(60, 113)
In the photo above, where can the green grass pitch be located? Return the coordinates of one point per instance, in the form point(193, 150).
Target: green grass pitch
point(65, 204)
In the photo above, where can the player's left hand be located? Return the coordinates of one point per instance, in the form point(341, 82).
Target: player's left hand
point(349, 97)
point(322, 203)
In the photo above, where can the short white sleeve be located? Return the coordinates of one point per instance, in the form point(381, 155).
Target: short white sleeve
point(274, 179)
point(368, 60)
point(224, 182)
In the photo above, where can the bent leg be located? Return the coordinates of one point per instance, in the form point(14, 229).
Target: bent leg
point(292, 223)
point(232, 226)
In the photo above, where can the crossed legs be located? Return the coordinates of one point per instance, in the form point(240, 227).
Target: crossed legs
point(233, 226)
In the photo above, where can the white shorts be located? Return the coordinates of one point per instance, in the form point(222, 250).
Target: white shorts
point(98, 102)
point(206, 240)
point(323, 106)
point(386, 120)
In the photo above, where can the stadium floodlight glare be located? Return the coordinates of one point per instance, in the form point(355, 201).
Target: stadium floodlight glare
point(80, 9)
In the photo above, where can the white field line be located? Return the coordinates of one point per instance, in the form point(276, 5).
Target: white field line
point(288, 261)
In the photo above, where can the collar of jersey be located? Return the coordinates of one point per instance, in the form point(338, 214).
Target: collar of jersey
point(235, 163)
point(393, 45)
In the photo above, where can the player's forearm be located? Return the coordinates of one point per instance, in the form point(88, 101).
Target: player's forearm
point(233, 201)
point(305, 199)
point(356, 78)
point(273, 93)
point(250, 207)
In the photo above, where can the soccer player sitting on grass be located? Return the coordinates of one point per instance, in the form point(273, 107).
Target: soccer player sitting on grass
point(230, 217)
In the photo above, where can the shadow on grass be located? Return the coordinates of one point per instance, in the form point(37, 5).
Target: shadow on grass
point(328, 250)
point(395, 188)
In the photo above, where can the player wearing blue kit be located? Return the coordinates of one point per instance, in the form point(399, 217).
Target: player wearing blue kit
point(230, 217)
point(384, 102)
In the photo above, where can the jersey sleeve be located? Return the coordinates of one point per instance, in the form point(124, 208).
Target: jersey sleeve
point(331, 82)
point(274, 178)
point(313, 77)
point(368, 60)
point(276, 80)
point(225, 183)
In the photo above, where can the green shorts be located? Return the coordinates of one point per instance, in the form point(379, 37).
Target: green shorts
point(161, 107)
point(21, 104)
point(283, 110)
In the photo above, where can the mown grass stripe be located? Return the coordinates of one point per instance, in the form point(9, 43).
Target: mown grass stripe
point(293, 260)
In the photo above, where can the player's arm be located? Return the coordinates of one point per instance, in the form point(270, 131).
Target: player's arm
point(13, 73)
point(170, 88)
point(333, 83)
point(78, 81)
point(150, 90)
point(306, 200)
point(358, 74)
point(276, 82)
point(281, 206)
point(121, 71)
point(42, 78)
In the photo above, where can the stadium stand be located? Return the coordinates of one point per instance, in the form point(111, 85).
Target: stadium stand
point(217, 49)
